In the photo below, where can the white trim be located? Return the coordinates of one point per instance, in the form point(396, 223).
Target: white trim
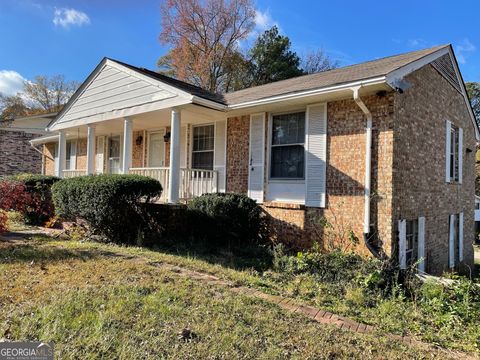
point(448, 145)
point(321, 201)
point(396, 75)
point(460, 155)
point(451, 241)
point(402, 243)
point(460, 237)
point(261, 163)
point(302, 94)
point(421, 244)
point(44, 139)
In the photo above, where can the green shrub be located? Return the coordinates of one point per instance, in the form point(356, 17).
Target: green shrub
point(225, 218)
point(110, 204)
point(38, 187)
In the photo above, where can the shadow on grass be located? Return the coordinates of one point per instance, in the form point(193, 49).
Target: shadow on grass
point(28, 253)
point(237, 257)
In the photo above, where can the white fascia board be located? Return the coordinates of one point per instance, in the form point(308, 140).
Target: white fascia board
point(121, 113)
point(302, 94)
point(393, 77)
point(208, 103)
point(400, 73)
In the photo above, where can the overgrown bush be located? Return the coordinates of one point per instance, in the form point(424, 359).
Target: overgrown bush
point(39, 187)
point(15, 197)
point(226, 218)
point(110, 204)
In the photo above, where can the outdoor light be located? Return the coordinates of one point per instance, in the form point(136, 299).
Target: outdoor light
point(139, 140)
point(166, 138)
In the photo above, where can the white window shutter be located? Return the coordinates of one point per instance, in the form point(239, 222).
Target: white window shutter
point(316, 155)
point(257, 157)
point(183, 147)
point(447, 150)
point(220, 153)
point(460, 155)
point(100, 155)
point(451, 242)
point(402, 244)
point(460, 236)
point(421, 244)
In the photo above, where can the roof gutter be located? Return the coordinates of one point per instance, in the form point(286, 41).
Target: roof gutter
point(208, 103)
point(302, 94)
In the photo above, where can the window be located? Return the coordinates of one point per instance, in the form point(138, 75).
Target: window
point(456, 237)
point(411, 251)
point(288, 151)
point(454, 161)
point(69, 151)
point(114, 154)
point(203, 144)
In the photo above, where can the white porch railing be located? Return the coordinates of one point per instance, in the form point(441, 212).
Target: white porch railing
point(193, 182)
point(74, 173)
point(160, 174)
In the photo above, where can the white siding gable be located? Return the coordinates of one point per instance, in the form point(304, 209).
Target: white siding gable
point(112, 91)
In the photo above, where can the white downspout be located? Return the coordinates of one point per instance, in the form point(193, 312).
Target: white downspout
point(368, 158)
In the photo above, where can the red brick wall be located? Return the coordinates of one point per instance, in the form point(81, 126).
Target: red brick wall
point(237, 154)
point(419, 182)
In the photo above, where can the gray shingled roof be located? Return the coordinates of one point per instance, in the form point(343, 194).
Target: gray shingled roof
point(347, 74)
point(362, 71)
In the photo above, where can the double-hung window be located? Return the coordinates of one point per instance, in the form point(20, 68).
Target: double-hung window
point(288, 146)
point(70, 155)
point(203, 147)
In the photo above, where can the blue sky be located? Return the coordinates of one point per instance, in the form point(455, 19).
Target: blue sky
point(71, 36)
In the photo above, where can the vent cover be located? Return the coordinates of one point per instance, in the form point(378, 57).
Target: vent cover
point(445, 67)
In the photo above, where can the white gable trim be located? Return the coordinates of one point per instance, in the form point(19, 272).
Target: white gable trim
point(395, 76)
point(178, 98)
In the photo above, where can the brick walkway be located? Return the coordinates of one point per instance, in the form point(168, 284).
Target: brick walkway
point(289, 304)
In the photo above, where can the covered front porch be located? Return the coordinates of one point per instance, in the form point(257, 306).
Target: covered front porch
point(182, 148)
point(129, 120)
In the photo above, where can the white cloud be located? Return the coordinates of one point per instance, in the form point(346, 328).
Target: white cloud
point(69, 17)
point(11, 82)
point(463, 49)
point(263, 20)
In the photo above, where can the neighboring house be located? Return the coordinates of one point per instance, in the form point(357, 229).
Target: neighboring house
point(16, 153)
point(384, 148)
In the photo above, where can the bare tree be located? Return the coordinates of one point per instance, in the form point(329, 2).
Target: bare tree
point(204, 36)
point(49, 93)
point(317, 61)
point(12, 106)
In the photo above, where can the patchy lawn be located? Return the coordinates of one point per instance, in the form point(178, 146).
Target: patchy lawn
point(105, 301)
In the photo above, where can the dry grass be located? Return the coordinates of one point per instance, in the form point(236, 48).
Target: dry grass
point(103, 301)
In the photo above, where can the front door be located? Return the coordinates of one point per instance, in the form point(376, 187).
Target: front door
point(114, 151)
point(156, 149)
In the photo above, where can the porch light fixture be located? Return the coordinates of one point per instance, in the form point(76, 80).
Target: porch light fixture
point(166, 137)
point(139, 140)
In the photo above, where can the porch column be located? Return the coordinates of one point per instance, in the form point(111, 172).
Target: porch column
point(62, 153)
point(174, 175)
point(90, 149)
point(127, 145)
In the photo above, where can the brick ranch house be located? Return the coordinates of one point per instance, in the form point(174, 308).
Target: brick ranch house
point(385, 149)
point(16, 154)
